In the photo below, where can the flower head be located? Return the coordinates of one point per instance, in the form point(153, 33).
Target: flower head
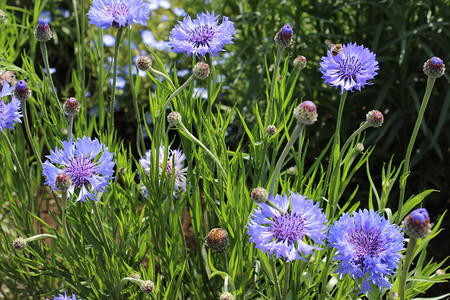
point(147, 287)
point(353, 67)
point(71, 106)
point(173, 167)
point(417, 224)
point(366, 244)
point(118, 13)
point(289, 234)
point(201, 36)
point(306, 113)
point(43, 33)
point(434, 67)
point(284, 37)
point(64, 297)
point(217, 240)
point(374, 118)
point(9, 112)
point(87, 162)
point(22, 91)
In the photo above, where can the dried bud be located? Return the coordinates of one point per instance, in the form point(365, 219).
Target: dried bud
point(135, 276)
point(9, 76)
point(174, 118)
point(22, 91)
point(143, 63)
point(284, 37)
point(42, 32)
point(260, 195)
point(19, 243)
point(201, 70)
point(434, 67)
point(440, 272)
point(291, 171)
point(217, 240)
point(2, 14)
point(417, 224)
point(280, 78)
point(147, 287)
point(374, 118)
point(122, 170)
point(63, 182)
point(271, 130)
point(359, 147)
point(71, 107)
point(393, 295)
point(226, 296)
point(306, 113)
point(300, 62)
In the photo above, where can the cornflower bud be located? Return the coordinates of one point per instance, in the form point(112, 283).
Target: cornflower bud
point(359, 147)
point(306, 113)
point(71, 107)
point(42, 32)
point(374, 118)
point(291, 171)
point(174, 118)
point(22, 91)
point(417, 224)
point(393, 295)
point(271, 130)
point(135, 276)
point(63, 182)
point(260, 195)
point(2, 14)
point(284, 37)
point(226, 296)
point(217, 240)
point(147, 287)
point(201, 70)
point(143, 63)
point(300, 62)
point(19, 243)
point(434, 67)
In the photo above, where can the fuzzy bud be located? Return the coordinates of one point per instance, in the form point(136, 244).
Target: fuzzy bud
point(440, 272)
point(147, 287)
point(2, 14)
point(393, 295)
point(271, 130)
point(42, 32)
point(284, 37)
point(300, 62)
point(374, 118)
point(434, 67)
point(71, 107)
point(260, 195)
point(63, 182)
point(174, 118)
point(135, 276)
point(417, 224)
point(226, 296)
point(291, 171)
point(201, 70)
point(217, 240)
point(19, 243)
point(22, 91)
point(306, 113)
point(143, 63)
point(9, 76)
point(359, 147)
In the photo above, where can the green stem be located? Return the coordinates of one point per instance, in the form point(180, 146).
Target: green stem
point(275, 275)
point(272, 84)
point(178, 90)
point(70, 117)
point(40, 236)
point(119, 287)
point(194, 139)
point(163, 75)
point(63, 217)
point(295, 134)
point(113, 92)
point(287, 270)
point(336, 140)
point(47, 70)
point(406, 263)
point(101, 98)
point(426, 97)
point(27, 129)
point(102, 231)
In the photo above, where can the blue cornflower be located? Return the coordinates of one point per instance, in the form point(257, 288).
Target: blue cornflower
point(87, 162)
point(289, 235)
point(366, 243)
point(64, 297)
point(9, 112)
point(155, 4)
point(107, 13)
point(201, 36)
point(174, 166)
point(109, 40)
point(352, 67)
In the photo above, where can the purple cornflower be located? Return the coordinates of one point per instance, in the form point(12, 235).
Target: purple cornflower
point(174, 166)
point(201, 36)
point(87, 162)
point(289, 235)
point(352, 67)
point(366, 243)
point(64, 297)
point(116, 13)
point(9, 112)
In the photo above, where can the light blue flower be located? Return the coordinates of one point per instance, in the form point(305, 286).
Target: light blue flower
point(46, 15)
point(109, 40)
point(149, 39)
point(179, 12)
point(9, 112)
point(120, 82)
point(64, 12)
point(155, 4)
point(106, 13)
point(64, 297)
